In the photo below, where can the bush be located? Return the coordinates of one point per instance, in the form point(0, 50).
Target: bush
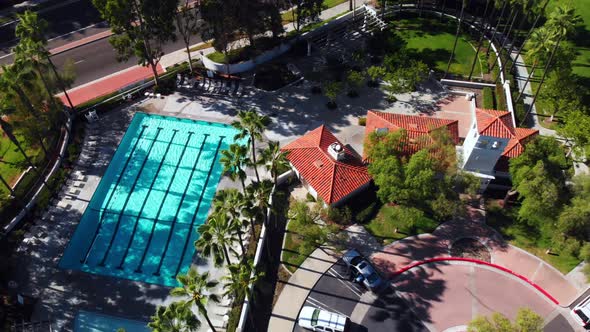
point(366, 214)
point(500, 98)
point(316, 90)
point(519, 112)
point(362, 121)
point(488, 98)
point(339, 216)
point(274, 76)
point(309, 197)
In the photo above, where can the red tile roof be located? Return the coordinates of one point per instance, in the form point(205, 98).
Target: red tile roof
point(332, 180)
point(416, 127)
point(499, 124)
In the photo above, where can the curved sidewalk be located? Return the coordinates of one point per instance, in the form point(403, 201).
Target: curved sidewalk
point(423, 247)
point(293, 296)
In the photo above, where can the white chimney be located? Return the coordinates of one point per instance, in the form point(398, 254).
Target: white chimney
point(336, 151)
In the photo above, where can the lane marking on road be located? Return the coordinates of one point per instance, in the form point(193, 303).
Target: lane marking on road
point(79, 61)
point(339, 277)
point(58, 37)
point(323, 305)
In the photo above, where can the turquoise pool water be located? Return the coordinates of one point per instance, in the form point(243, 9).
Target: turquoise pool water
point(141, 222)
point(93, 322)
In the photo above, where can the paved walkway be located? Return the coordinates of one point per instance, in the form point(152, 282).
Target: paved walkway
point(426, 246)
point(109, 84)
point(296, 290)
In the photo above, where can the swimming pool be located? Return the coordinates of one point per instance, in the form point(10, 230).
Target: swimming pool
point(141, 221)
point(94, 322)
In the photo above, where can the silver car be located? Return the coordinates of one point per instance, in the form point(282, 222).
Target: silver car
point(362, 271)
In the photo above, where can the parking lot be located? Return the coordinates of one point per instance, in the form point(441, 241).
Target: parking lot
point(335, 292)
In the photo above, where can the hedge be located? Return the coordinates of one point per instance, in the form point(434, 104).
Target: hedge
point(488, 98)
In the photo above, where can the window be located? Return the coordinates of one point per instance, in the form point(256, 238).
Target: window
point(314, 317)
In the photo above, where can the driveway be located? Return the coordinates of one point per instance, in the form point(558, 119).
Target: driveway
point(386, 312)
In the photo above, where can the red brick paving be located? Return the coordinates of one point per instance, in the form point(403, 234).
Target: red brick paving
point(402, 253)
point(109, 84)
point(451, 295)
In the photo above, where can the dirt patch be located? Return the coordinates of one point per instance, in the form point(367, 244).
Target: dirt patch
point(470, 248)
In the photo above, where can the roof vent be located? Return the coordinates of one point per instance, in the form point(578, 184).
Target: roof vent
point(381, 130)
point(318, 163)
point(495, 145)
point(336, 151)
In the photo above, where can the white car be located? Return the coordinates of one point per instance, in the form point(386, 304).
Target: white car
point(321, 320)
point(581, 312)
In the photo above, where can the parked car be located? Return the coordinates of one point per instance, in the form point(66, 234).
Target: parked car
point(581, 312)
point(322, 320)
point(362, 271)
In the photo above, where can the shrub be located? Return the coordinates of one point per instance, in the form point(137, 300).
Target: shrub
point(274, 76)
point(500, 98)
point(362, 121)
point(316, 90)
point(309, 197)
point(488, 98)
point(339, 216)
point(367, 213)
point(519, 112)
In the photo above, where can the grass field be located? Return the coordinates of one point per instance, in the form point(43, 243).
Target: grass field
point(12, 162)
point(432, 42)
point(385, 224)
point(581, 66)
point(294, 253)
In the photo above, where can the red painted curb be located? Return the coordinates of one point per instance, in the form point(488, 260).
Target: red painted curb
point(477, 261)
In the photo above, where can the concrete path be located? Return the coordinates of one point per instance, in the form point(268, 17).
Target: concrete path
point(293, 296)
point(426, 246)
point(520, 77)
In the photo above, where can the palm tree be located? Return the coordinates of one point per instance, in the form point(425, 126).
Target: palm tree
point(238, 283)
point(482, 29)
point(176, 317)
point(499, 20)
point(533, 27)
point(274, 159)
point(7, 129)
point(260, 193)
point(195, 286)
point(30, 27)
point(538, 45)
point(506, 34)
point(216, 235)
point(234, 160)
point(251, 125)
point(229, 202)
point(562, 20)
point(463, 5)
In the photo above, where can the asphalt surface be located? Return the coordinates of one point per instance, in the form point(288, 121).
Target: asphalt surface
point(61, 20)
point(335, 292)
point(91, 61)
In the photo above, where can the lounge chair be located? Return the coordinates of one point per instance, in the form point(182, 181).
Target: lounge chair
point(92, 116)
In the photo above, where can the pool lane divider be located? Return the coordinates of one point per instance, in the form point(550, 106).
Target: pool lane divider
point(150, 238)
point(142, 168)
point(188, 236)
point(157, 273)
point(145, 200)
point(100, 221)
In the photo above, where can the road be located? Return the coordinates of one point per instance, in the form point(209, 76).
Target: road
point(61, 20)
point(335, 292)
point(91, 61)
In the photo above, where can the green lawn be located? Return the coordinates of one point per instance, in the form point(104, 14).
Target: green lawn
point(383, 226)
point(526, 237)
point(581, 65)
point(294, 253)
point(432, 42)
point(12, 162)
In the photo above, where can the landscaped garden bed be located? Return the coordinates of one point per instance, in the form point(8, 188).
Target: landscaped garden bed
point(271, 77)
point(470, 248)
point(519, 234)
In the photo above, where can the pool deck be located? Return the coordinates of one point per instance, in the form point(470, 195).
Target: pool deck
point(62, 293)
